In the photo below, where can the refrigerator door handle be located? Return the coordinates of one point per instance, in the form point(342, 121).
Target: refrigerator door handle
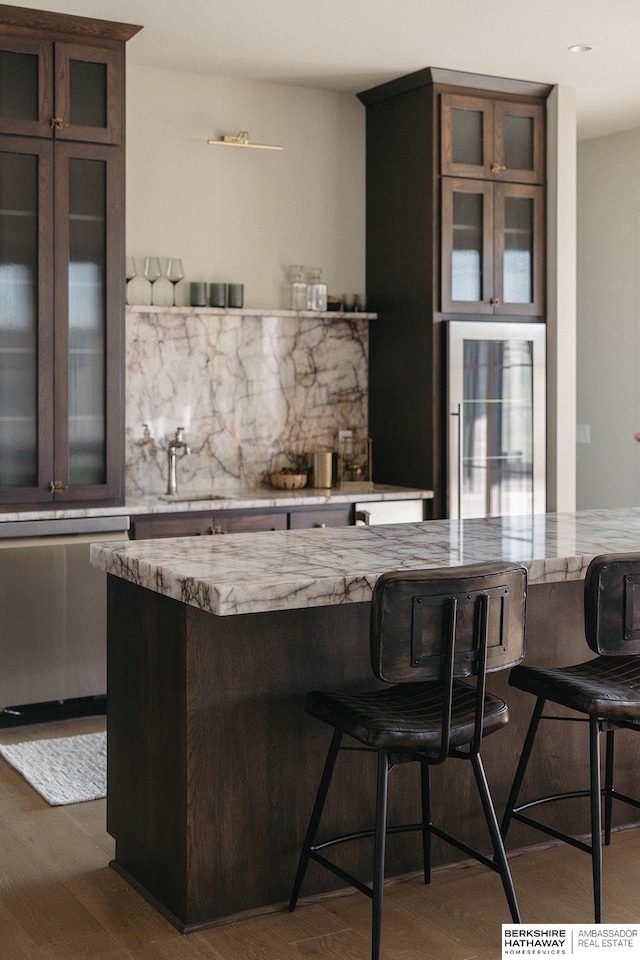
point(459, 447)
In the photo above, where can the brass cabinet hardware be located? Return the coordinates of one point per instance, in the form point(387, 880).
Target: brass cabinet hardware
point(498, 168)
point(57, 486)
point(57, 123)
point(215, 531)
point(495, 302)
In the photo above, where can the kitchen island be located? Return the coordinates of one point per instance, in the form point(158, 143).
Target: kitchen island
point(212, 646)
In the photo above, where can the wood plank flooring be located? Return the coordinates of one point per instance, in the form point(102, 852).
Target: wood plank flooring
point(59, 900)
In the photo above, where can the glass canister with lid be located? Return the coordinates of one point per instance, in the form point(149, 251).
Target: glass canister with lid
point(297, 288)
point(316, 290)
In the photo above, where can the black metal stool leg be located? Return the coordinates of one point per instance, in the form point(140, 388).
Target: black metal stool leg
point(425, 775)
point(500, 856)
point(522, 765)
point(596, 816)
point(608, 785)
point(379, 853)
point(316, 814)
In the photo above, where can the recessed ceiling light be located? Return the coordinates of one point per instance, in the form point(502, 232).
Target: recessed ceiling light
point(580, 48)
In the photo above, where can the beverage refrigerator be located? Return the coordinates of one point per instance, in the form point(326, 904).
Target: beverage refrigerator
point(496, 389)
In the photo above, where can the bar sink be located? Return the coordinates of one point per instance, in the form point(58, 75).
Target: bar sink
point(186, 497)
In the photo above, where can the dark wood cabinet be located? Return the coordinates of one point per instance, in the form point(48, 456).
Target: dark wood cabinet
point(491, 139)
point(332, 515)
point(455, 229)
point(250, 520)
point(492, 248)
point(62, 258)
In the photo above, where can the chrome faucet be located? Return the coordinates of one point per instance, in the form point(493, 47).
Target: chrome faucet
point(178, 443)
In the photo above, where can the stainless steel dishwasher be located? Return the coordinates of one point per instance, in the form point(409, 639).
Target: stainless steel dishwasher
point(52, 612)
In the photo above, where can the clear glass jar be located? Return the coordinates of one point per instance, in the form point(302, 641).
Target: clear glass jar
point(316, 290)
point(297, 289)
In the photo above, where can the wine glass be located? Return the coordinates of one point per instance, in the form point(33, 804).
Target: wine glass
point(152, 269)
point(175, 273)
point(132, 270)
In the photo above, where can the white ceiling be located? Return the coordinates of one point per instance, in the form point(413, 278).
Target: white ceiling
point(350, 45)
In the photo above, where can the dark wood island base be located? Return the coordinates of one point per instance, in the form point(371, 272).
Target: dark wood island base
point(213, 764)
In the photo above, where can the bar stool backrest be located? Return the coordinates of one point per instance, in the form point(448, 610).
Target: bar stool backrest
point(460, 621)
point(612, 604)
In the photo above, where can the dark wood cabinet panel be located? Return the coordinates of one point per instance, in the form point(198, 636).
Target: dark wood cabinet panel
point(89, 93)
point(250, 520)
point(455, 229)
point(158, 526)
point(492, 248)
point(62, 258)
point(491, 139)
point(338, 515)
point(26, 90)
point(206, 523)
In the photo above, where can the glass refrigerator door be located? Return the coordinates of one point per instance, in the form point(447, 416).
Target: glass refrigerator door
point(496, 391)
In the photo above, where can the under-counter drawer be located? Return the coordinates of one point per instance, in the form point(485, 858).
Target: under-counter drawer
point(251, 521)
point(171, 525)
point(155, 526)
point(330, 516)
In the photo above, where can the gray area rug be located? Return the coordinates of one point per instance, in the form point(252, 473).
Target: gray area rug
point(63, 769)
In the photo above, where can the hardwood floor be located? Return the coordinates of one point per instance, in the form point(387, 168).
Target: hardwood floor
point(59, 900)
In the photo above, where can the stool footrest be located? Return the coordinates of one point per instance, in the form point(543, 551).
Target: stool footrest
point(558, 834)
point(480, 857)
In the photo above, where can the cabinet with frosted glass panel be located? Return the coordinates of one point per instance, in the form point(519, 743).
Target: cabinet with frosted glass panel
point(492, 248)
point(61, 258)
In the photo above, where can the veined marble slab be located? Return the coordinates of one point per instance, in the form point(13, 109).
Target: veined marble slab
point(244, 498)
point(236, 574)
point(251, 388)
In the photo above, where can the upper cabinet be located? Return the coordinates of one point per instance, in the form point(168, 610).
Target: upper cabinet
point(61, 258)
point(70, 91)
point(492, 250)
point(491, 139)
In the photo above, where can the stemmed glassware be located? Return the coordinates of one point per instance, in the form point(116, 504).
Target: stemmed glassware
point(175, 273)
point(152, 269)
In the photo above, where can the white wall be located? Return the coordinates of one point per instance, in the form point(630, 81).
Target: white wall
point(245, 215)
point(608, 469)
point(561, 299)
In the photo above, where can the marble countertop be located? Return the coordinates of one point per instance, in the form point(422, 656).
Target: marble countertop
point(244, 499)
point(289, 569)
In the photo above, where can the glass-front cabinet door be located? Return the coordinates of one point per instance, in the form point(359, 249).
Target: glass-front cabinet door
point(26, 333)
point(84, 103)
point(89, 93)
point(26, 102)
point(467, 246)
point(519, 249)
point(87, 332)
point(60, 336)
point(496, 437)
point(492, 249)
point(492, 139)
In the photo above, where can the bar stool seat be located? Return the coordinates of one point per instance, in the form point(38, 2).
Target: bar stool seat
point(606, 690)
point(430, 629)
point(607, 687)
point(408, 716)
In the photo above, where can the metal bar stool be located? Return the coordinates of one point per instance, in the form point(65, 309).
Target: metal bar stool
point(428, 629)
point(606, 689)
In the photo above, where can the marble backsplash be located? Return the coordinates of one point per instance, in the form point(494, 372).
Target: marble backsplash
point(249, 389)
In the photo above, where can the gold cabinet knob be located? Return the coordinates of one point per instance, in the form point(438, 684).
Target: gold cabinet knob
point(495, 302)
point(57, 486)
point(57, 123)
point(498, 168)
